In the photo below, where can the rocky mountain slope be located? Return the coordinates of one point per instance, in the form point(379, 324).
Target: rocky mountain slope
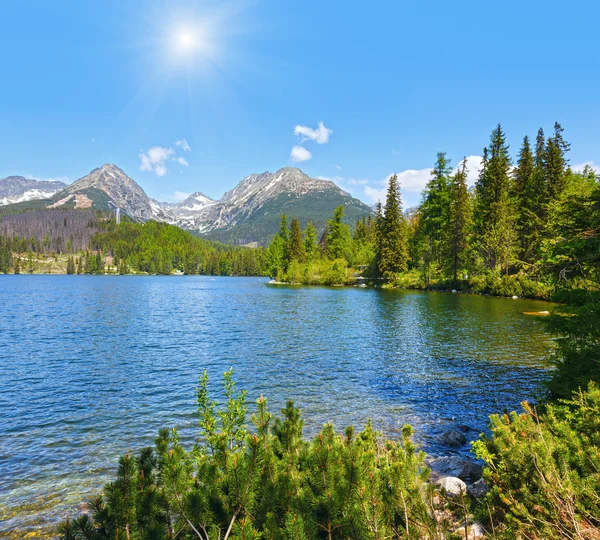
point(249, 213)
point(17, 189)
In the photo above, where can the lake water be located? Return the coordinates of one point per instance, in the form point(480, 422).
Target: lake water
point(92, 367)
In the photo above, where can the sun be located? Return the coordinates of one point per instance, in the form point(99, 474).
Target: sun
point(186, 40)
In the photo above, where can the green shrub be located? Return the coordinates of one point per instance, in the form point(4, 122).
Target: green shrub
point(271, 484)
point(577, 358)
point(544, 470)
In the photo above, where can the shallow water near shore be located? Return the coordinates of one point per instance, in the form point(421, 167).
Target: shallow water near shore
point(91, 367)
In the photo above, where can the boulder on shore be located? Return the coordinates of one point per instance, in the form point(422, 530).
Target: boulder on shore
point(474, 531)
point(453, 487)
point(478, 489)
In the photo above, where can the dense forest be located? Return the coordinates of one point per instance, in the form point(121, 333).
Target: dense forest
point(513, 234)
point(90, 242)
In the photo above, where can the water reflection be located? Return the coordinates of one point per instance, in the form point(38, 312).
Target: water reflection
point(91, 367)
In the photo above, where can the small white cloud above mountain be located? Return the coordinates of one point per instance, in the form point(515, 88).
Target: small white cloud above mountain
point(155, 160)
point(299, 154)
point(183, 144)
point(320, 135)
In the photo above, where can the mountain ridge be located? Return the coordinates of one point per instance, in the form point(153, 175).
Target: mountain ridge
point(247, 213)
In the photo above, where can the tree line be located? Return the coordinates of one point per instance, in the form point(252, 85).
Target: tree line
point(102, 246)
point(502, 236)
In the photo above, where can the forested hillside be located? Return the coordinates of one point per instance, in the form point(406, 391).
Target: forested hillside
point(90, 242)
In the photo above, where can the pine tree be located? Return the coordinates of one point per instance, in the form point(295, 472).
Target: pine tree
point(435, 211)
point(297, 249)
point(310, 240)
point(17, 268)
point(80, 266)
point(556, 164)
point(274, 257)
point(459, 222)
point(338, 235)
point(285, 237)
point(393, 241)
point(375, 271)
point(528, 196)
point(494, 213)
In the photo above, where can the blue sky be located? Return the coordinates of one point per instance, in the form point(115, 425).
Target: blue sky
point(85, 83)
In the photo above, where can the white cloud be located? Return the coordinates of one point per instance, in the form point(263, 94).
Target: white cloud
point(154, 160)
point(320, 135)
point(182, 161)
point(374, 194)
point(182, 143)
point(578, 168)
point(299, 153)
point(413, 182)
point(338, 167)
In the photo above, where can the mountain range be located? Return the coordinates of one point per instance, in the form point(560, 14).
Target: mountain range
point(248, 214)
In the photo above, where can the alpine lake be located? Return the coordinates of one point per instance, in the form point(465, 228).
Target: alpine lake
point(92, 366)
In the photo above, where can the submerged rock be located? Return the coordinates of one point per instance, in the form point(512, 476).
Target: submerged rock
point(458, 466)
point(452, 437)
point(452, 486)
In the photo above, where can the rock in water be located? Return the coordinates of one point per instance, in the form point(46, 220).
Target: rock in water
point(452, 437)
point(454, 487)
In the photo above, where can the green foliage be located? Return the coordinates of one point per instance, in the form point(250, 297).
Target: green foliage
point(392, 234)
point(494, 215)
point(275, 256)
point(338, 235)
point(459, 224)
point(435, 212)
point(310, 240)
point(158, 248)
point(270, 484)
point(297, 249)
point(544, 470)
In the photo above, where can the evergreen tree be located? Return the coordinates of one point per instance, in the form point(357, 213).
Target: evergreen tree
point(494, 212)
point(376, 265)
point(310, 240)
point(17, 268)
point(275, 257)
point(80, 266)
point(70, 266)
point(285, 237)
point(555, 164)
point(435, 211)
point(338, 235)
point(459, 222)
point(393, 239)
point(528, 197)
point(297, 249)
